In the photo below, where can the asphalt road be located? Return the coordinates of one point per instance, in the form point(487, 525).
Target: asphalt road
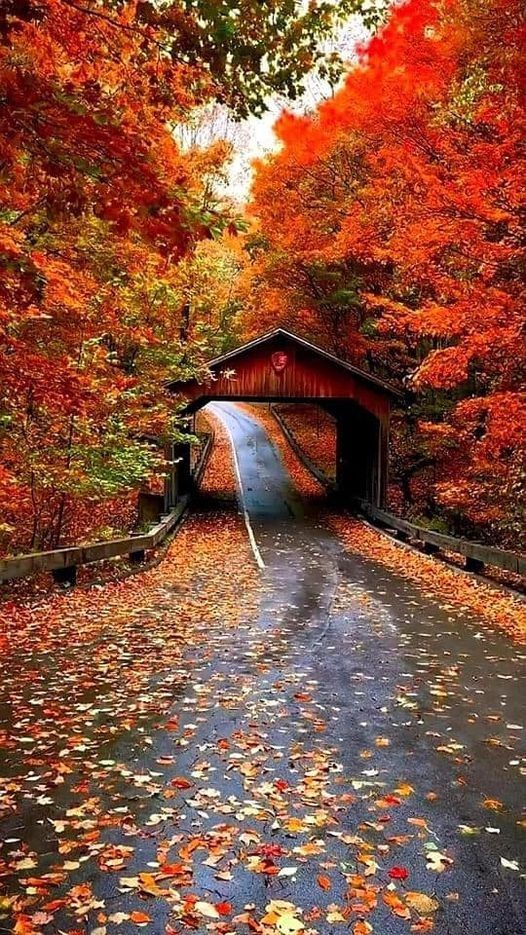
point(348, 743)
point(386, 664)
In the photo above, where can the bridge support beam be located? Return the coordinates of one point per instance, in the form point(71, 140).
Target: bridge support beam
point(178, 477)
point(361, 455)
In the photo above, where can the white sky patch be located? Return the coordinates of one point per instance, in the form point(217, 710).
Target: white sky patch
point(255, 136)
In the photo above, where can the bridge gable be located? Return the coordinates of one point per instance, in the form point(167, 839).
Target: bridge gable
point(279, 366)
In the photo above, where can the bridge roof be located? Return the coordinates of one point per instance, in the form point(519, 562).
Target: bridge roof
point(282, 365)
point(269, 337)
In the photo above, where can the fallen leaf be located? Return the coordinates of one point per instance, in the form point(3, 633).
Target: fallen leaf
point(207, 909)
point(181, 783)
point(362, 928)
point(437, 862)
point(324, 882)
point(421, 903)
point(140, 918)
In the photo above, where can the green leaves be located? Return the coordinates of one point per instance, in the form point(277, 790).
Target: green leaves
point(254, 49)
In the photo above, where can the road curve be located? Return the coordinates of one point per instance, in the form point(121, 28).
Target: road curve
point(440, 703)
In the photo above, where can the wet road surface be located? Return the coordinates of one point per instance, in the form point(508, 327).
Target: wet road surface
point(389, 665)
point(351, 755)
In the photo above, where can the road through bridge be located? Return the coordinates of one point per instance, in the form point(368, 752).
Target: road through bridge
point(312, 746)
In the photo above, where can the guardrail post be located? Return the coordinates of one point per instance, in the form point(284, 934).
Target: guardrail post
point(67, 575)
point(473, 564)
point(150, 507)
point(170, 481)
point(137, 557)
point(181, 454)
point(430, 548)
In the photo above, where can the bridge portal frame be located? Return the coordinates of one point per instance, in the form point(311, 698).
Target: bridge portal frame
point(282, 367)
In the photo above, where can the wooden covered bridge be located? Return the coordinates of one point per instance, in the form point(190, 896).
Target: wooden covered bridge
point(280, 366)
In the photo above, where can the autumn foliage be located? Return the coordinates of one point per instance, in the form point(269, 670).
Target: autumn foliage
point(97, 201)
point(387, 227)
point(390, 230)
point(101, 214)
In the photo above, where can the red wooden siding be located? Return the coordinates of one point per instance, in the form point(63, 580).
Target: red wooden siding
point(307, 375)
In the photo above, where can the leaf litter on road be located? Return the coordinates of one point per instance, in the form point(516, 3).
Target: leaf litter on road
point(175, 763)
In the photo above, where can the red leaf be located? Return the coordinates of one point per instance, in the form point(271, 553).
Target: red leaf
point(181, 783)
point(324, 882)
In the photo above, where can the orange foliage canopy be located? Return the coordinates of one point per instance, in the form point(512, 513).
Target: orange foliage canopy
point(400, 245)
point(97, 206)
point(100, 212)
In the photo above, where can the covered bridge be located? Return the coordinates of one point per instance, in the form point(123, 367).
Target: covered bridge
point(280, 366)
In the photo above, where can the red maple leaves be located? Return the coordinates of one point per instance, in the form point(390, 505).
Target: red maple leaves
point(400, 247)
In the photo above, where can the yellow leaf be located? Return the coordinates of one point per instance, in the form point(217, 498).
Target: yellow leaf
point(421, 903)
point(207, 909)
point(287, 924)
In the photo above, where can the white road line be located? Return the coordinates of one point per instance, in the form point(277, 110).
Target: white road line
point(252, 539)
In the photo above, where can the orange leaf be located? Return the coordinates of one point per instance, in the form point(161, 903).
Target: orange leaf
point(140, 918)
point(181, 783)
point(362, 928)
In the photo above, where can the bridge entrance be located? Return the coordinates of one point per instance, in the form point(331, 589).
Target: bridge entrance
point(280, 366)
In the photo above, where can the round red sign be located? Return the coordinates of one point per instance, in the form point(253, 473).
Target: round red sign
point(279, 361)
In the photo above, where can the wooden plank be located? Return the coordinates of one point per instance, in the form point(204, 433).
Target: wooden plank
point(487, 554)
point(23, 565)
point(113, 548)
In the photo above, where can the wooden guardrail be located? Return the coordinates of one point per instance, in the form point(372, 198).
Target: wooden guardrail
point(63, 563)
point(199, 468)
point(477, 555)
point(316, 472)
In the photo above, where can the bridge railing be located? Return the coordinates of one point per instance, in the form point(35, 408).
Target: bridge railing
point(477, 555)
point(63, 563)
